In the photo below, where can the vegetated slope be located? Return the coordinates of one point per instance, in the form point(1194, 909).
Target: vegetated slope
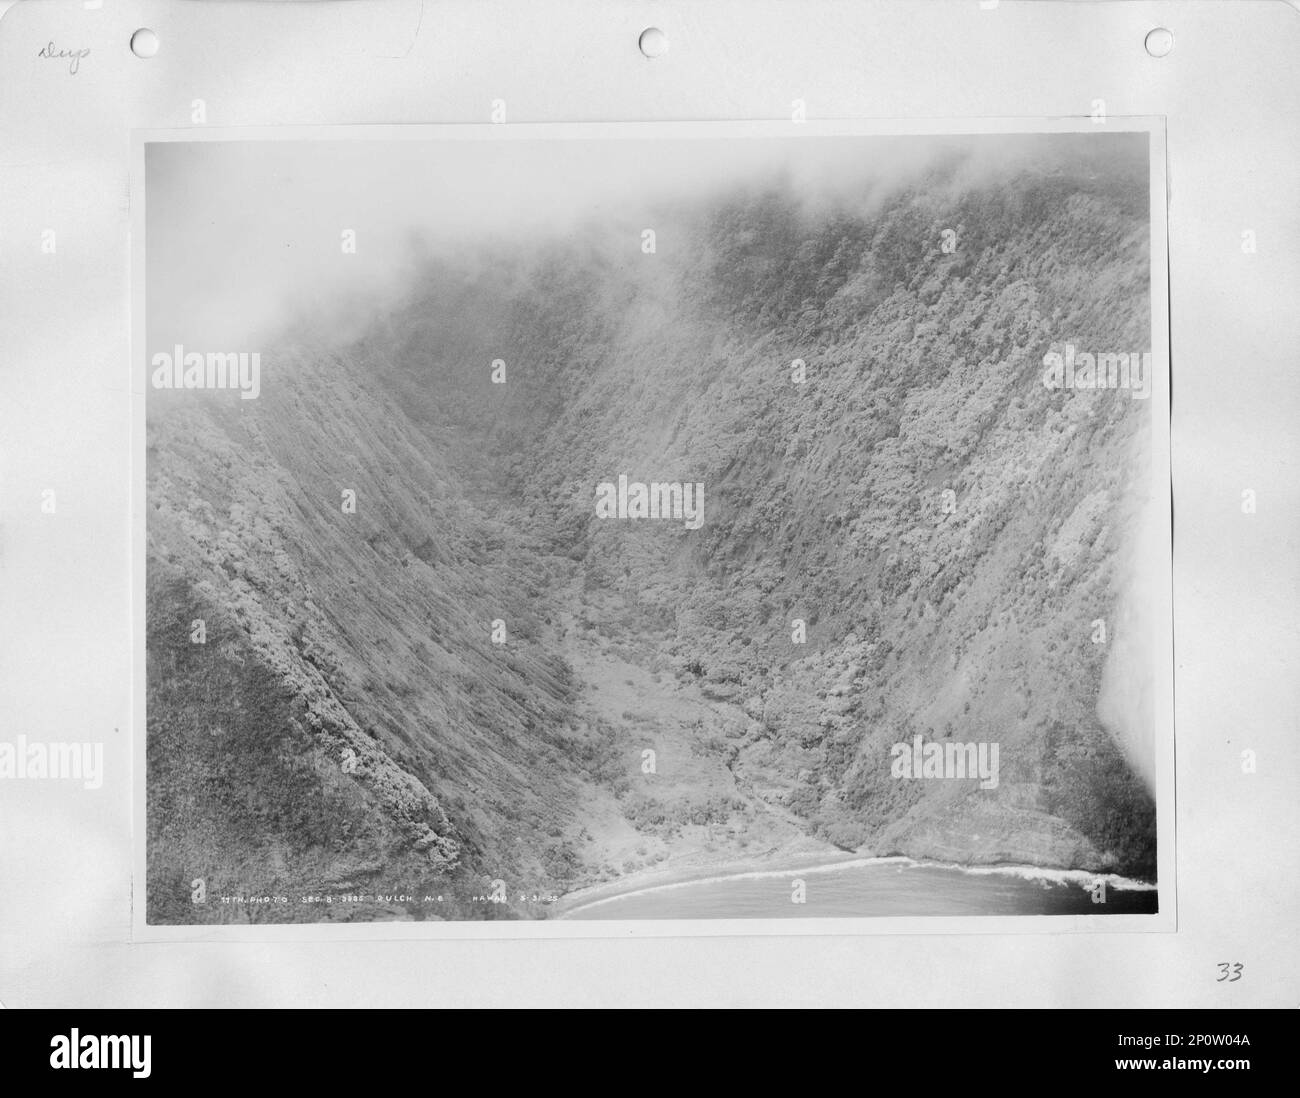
point(370, 633)
point(348, 704)
point(825, 501)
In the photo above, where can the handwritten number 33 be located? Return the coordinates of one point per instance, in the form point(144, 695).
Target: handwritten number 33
point(1236, 970)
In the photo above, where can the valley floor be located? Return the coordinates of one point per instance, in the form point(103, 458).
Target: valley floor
point(687, 810)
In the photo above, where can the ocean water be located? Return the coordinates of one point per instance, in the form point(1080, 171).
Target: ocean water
point(878, 887)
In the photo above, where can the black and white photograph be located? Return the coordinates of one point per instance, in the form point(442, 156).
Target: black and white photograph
point(625, 524)
point(655, 505)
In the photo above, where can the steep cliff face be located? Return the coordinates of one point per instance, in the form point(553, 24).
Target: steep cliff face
point(347, 695)
point(904, 533)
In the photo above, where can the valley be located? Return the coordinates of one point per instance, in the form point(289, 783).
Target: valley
point(468, 671)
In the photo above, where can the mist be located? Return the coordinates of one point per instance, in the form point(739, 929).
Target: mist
point(1126, 701)
point(245, 239)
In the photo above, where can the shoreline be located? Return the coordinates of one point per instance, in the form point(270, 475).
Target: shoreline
point(779, 865)
point(715, 867)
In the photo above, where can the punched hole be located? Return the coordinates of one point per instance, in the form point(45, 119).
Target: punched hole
point(144, 43)
point(1159, 42)
point(653, 42)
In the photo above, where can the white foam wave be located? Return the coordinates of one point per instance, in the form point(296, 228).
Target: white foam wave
point(1053, 876)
